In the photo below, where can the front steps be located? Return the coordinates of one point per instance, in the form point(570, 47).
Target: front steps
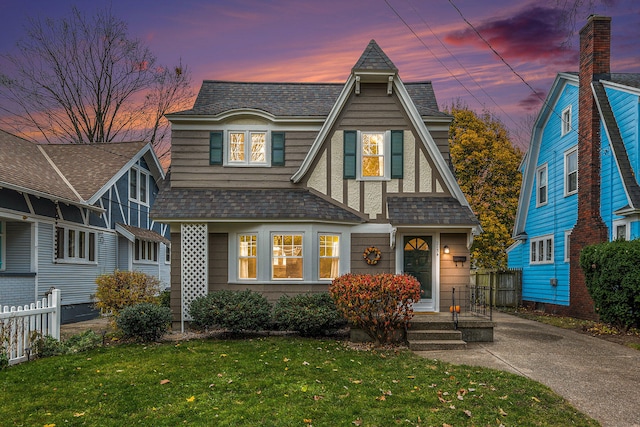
point(434, 333)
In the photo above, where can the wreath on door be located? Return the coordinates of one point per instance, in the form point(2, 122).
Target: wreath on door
point(372, 255)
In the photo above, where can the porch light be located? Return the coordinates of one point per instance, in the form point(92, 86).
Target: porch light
point(446, 249)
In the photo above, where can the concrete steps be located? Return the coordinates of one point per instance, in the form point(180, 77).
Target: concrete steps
point(426, 334)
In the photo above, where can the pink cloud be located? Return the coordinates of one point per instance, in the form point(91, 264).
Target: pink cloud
point(534, 34)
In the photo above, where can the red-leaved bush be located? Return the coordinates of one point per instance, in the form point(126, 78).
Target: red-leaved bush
point(378, 304)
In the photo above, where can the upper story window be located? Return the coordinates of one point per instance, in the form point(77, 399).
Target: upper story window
point(75, 245)
point(373, 155)
point(542, 185)
point(138, 185)
point(167, 254)
point(566, 120)
point(571, 172)
point(621, 230)
point(542, 250)
point(246, 148)
point(146, 251)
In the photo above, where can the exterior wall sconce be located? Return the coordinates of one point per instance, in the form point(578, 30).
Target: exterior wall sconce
point(446, 249)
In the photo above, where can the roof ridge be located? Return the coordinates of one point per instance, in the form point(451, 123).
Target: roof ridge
point(59, 172)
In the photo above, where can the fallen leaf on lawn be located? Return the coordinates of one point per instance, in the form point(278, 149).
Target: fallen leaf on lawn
point(305, 363)
point(191, 399)
point(442, 399)
point(49, 425)
point(308, 420)
point(78, 414)
point(536, 399)
point(411, 377)
point(357, 422)
point(467, 413)
point(304, 388)
point(316, 397)
point(223, 355)
point(163, 382)
point(356, 381)
point(452, 407)
point(285, 360)
point(505, 397)
point(381, 398)
point(504, 414)
point(446, 425)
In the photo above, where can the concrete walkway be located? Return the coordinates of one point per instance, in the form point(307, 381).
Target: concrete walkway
point(599, 378)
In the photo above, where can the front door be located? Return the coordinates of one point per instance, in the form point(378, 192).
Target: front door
point(417, 262)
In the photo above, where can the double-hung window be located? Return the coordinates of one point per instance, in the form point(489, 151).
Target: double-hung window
point(571, 172)
point(287, 256)
point(329, 252)
point(566, 120)
point(542, 250)
point(247, 256)
point(75, 245)
point(542, 185)
point(373, 155)
point(138, 185)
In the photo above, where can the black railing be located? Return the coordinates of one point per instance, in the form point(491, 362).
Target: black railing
point(469, 300)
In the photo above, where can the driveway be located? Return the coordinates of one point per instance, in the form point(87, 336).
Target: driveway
point(599, 378)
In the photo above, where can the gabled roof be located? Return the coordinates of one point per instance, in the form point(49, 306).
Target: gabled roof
point(72, 173)
point(248, 205)
point(416, 210)
point(374, 59)
point(625, 81)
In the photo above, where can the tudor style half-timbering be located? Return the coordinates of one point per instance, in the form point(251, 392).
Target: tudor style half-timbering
point(281, 187)
point(70, 212)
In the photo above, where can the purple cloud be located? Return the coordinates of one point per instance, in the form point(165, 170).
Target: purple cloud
point(534, 34)
point(533, 101)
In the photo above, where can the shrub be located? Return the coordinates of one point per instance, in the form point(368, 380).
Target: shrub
point(612, 276)
point(309, 314)
point(378, 304)
point(144, 322)
point(234, 310)
point(164, 299)
point(4, 359)
point(123, 289)
point(47, 346)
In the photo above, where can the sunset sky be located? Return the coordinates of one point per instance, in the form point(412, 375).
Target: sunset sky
point(297, 40)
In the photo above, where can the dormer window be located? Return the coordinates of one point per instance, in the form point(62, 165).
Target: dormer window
point(246, 148)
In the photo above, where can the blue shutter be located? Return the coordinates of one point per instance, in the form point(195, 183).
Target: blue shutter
point(215, 148)
point(397, 154)
point(277, 148)
point(350, 157)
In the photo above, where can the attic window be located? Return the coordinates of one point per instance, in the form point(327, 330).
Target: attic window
point(247, 147)
point(566, 120)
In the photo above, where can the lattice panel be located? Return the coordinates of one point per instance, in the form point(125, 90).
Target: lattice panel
point(194, 264)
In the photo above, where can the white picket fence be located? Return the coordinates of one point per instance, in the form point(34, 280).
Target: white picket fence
point(18, 324)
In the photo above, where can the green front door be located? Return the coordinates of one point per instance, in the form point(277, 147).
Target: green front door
point(417, 262)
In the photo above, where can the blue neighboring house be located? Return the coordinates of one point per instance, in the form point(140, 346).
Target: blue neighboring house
point(70, 212)
point(579, 176)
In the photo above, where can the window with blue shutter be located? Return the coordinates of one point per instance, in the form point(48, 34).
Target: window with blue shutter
point(215, 148)
point(350, 154)
point(397, 156)
point(277, 148)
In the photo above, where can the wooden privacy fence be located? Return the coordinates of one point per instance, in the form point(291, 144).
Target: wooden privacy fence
point(18, 325)
point(506, 286)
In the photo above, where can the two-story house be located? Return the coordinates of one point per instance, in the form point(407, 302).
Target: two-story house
point(281, 187)
point(70, 212)
point(579, 176)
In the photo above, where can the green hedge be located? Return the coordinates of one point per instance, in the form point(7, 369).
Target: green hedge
point(309, 314)
point(612, 275)
point(144, 322)
point(233, 310)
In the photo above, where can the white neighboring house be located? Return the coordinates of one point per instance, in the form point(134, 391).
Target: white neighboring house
point(71, 212)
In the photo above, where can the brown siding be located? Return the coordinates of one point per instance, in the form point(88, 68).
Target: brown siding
point(218, 261)
point(190, 163)
point(175, 300)
point(441, 137)
point(360, 242)
point(452, 276)
point(372, 110)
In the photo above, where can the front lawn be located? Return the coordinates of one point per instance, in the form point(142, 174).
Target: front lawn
point(275, 381)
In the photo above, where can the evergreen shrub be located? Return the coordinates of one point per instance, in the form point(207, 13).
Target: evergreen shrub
point(144, 322)
point(236, 311)
point(308, 314)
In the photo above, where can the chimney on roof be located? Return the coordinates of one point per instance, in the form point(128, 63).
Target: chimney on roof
point(595, 54)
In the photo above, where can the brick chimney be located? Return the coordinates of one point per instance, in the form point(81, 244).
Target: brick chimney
point(595, 54)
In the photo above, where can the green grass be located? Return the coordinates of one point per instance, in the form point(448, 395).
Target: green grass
point(272, 381)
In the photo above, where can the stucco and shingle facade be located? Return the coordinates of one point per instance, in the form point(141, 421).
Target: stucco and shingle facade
point(285, 185)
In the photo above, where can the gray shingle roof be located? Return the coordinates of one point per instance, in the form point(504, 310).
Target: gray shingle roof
point(374, 59)
point(627, 79)
point(252, 204)
point(414, 210)
point(290, 99)
point(622, 158)
point(144, 234)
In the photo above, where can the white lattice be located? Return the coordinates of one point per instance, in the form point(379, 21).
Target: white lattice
point(194, 267)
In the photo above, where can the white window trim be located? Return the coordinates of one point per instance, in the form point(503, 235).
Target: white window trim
point(139, 173)
point(547, 244)
point(167, 254)
point(141, 260)
point(311, 252)
point(247, 130)
point(3, 245)
point(565, 120)
point(257, 257)
point(75, 259)
point(621, 222)
point(538, 170)
point(566, 172)
point(386, 156)
point(567, 245)
point(329, 257)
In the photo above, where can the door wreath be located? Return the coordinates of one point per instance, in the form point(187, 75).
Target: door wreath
point(372, 255)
